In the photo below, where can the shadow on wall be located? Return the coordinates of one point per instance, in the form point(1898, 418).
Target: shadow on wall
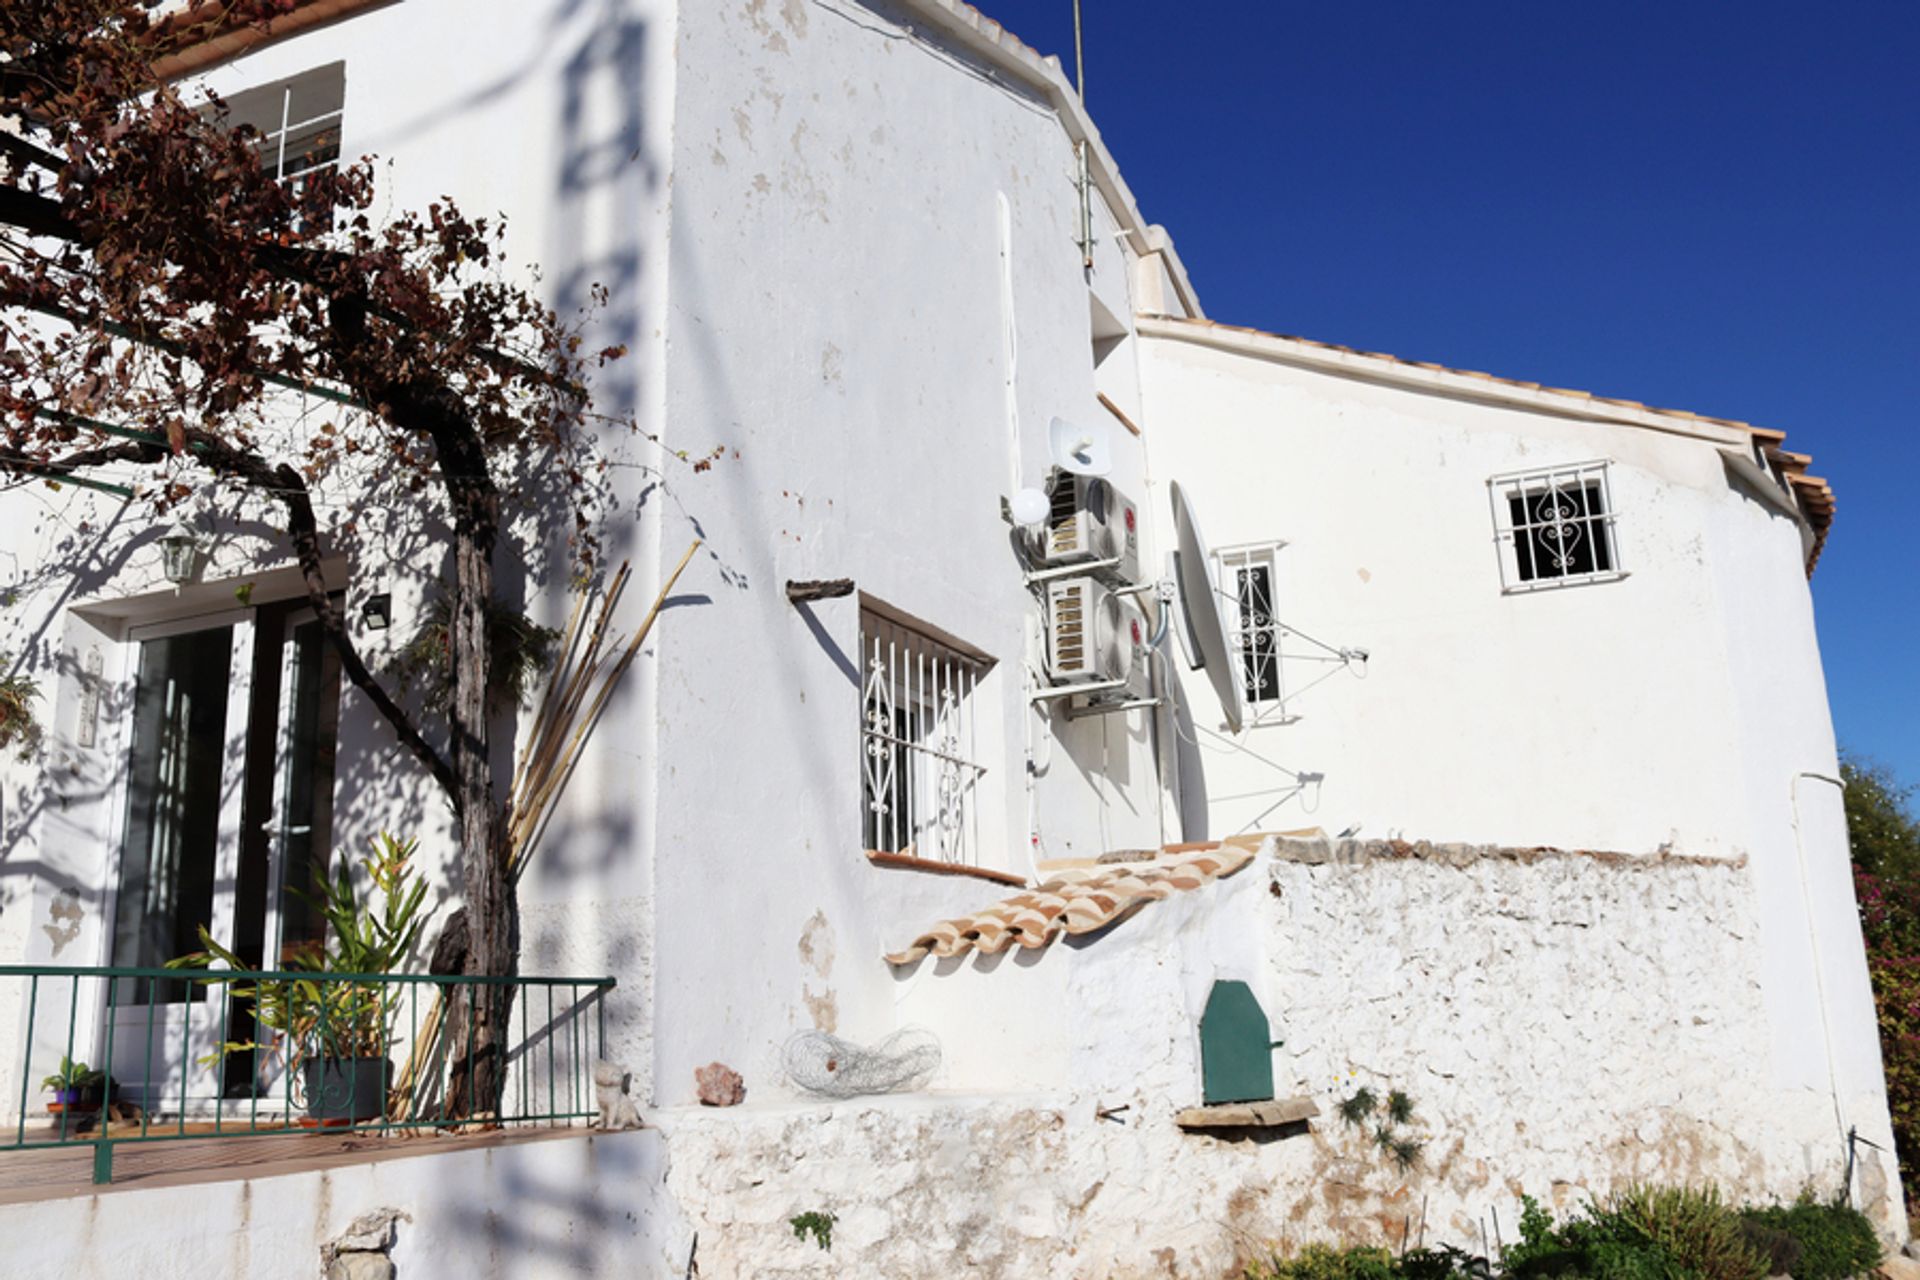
point(396, 540)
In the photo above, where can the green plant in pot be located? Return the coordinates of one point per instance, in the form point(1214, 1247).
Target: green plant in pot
point(337, 1033)
point(18, 727)
point(76, 1088)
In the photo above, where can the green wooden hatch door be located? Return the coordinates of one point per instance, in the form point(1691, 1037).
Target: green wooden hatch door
point(1236, 1046)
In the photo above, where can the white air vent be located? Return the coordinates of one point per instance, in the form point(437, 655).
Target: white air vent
point(1091, 520)
point(1092, 633)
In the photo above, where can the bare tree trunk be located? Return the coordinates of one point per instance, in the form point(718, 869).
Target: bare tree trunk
point(481, 1022)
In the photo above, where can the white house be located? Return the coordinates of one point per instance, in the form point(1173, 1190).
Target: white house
point(1531, 811)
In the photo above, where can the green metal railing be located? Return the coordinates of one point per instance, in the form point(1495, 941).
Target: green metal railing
point(190, 1053)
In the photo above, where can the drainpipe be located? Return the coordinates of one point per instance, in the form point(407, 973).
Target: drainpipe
point(1819, 972)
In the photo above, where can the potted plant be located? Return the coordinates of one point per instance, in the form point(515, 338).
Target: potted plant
point(76, 1089)
point(337, 1033)
point(17, 723)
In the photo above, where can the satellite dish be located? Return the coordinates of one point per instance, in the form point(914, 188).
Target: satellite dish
point(1084, 451)
point(1203, 634)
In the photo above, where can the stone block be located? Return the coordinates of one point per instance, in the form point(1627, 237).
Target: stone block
point(361, 1266)
point(719, 1085)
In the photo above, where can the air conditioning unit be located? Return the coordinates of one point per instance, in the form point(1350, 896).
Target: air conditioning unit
point(1093, 633)
point(1091, 520)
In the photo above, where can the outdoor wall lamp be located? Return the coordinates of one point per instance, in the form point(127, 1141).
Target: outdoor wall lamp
point(179, 552)
point(377, 611)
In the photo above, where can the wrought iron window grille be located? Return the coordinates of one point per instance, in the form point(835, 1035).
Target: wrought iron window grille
point(1246, 580)
point(1245, 577)
point(1554, 527)
point(920, 769)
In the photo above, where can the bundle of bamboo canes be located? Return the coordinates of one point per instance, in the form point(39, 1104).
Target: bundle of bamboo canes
point(591, 663)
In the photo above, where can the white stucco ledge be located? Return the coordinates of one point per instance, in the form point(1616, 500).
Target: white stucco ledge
point(1323, 850)
point(1250, 1115)
point(672, 1120)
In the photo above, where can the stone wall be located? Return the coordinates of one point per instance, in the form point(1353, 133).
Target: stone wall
point(1565, 1022)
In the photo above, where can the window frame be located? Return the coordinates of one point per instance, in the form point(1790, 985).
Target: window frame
point(1228, 563)
point(1587, 479)
point(920, 738)
point(314, 135)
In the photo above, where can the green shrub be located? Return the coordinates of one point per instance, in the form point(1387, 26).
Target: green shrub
point(1834, 1240)
point(1692, 1227)
point(1444, 1263)
point(1324, 1262)
point(1778, 1247)
point(1645, 1233)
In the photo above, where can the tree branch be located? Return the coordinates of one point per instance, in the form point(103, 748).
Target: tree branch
point(26, 153)
point(303, 531)
point(35, 214)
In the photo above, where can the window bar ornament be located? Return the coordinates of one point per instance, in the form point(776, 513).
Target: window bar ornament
point(1559, 530)
point(879, 762)
point(950, 781)
point(1554, 527)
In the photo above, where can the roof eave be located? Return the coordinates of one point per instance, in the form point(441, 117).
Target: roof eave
point(1813, 495)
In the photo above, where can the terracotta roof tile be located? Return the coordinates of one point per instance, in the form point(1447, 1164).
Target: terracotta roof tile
point(1076, 900)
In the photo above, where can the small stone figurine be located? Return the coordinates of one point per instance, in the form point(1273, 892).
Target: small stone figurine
point(612, 1086)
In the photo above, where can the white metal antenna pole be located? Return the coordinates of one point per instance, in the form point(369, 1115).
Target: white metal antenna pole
point(1086, 176)
point(1079, 57)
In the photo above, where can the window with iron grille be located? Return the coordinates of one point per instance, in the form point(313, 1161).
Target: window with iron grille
point(1555, 527)
point(1246, 578)
point(298, 120)
point(919, 751)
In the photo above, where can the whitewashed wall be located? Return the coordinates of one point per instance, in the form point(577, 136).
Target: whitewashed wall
point(556, 115)
point(837, 321)
point(1681, 710)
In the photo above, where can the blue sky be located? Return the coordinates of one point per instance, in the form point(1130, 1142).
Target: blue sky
point(1712, 207)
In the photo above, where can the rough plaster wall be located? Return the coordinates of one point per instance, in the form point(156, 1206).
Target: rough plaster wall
point(1565, 1023)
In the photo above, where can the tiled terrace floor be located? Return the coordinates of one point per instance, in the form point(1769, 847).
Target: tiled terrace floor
point(53, 1174)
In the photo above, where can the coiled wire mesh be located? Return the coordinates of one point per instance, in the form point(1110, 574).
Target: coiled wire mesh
point(835, 1068)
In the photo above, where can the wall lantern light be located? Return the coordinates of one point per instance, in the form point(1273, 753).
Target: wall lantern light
point(179, 552)
point(377, 611)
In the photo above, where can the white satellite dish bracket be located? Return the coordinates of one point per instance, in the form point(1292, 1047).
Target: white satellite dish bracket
point(1199, 654)
point(1085, 451)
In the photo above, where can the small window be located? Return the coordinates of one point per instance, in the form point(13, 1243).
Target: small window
point(1555, 527)
point(919, 754)
point(1253, 627)
point(298, 120)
